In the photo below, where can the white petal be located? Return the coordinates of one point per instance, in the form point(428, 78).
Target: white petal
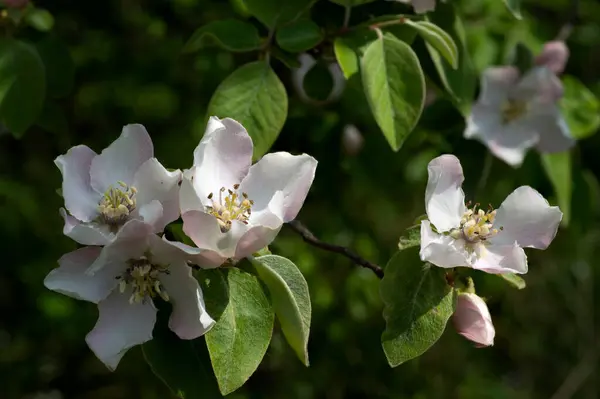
point(80, 199)
point(152, 214)
point(444, 197)
point(554, 134)
point(423, 6)
point(496, 84)
point(70, 278)
point(440, 250)
point(120, 160)
point(154, 182)
point(540, 85)
point(85, 233)
point(255, 239)
point(291, 174)
point(223, 156)
point(204, 258)
point(498, 259)
point(120, 326)
point(189, 319)
point(473, 321)
point(188, 196)
point(527, 218)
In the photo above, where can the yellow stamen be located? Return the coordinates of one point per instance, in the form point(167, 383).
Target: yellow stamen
point(229, 208)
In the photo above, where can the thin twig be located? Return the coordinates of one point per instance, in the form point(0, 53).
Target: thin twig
point(347, 13)
point(310, 238)
point(567, 28)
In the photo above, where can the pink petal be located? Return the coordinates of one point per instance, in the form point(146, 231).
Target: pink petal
point(444, 198)
point(120, 160)
point(80, 199)
point(85, 233)
point(554, 56)
point(473, 321)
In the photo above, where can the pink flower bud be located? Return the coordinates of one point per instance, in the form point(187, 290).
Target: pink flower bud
point(554, 56)
point(472, 320)
point(15, 3)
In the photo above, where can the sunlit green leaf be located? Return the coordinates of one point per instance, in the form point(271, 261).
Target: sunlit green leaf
point(514, 6)
point(558, 170)
point(438, 39)
point(254, 96)
point(580, 108)
point(299, 36)
point(39, 19)
point(514, 280)
point(290, 298)
point(239, 340)
point(230, 34)
point(22, 85)
point(395, 87)
point(418, 303)
point(410, 238)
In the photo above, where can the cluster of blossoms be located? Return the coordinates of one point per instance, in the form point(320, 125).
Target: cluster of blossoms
point(119, 202)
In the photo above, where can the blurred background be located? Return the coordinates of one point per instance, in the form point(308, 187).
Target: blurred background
point(128, 68)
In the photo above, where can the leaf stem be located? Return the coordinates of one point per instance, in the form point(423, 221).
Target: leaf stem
point(347, 13)
point(485, 173)
point(310, 238)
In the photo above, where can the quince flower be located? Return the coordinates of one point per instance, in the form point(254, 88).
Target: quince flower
point(130, 272)
point(472, 320)
point(103, 192)
point(514, 113)
point(491, 240)
point(420, 6)
point(231, 209)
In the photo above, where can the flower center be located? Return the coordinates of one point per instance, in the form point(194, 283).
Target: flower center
point(116, 204)
point(142, 276)
point(476, 225)
point(230, 207)
point(512, 110)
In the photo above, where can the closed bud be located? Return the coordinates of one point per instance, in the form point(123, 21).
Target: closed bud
point(472, 320)
point(554, 56)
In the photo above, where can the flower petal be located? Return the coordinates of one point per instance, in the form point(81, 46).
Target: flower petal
point(422, 6)
point(188, 196)
point(554, 56)
point(444, 197)
point(85, 233)
point(280, 171)
point(206, 259)
point(540, 85)
point(152, 214)
point(255, 239)
point(499, 259)
point(120, 326)
point(70, 278)
point(154, 182)
point(496, 84)
point(80, 199)
point(555, 135)
point(120, 160)
point(189, 319)
point(223, 156)
point(473, 321)
point(442, 251)
point(527, 218)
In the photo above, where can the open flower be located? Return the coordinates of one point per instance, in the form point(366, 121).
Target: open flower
point(514, 114)
point(231, 209)
point(130, 271)
point(103, 192)
point(472, 320)
point(489, 240)
point(420, 6)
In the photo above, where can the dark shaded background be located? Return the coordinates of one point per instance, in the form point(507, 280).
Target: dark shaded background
point(129, 68)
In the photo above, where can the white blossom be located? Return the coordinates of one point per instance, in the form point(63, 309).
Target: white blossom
point(420, 6)
point(123, 278)
point(230, 208)
point(103, 192)
point(489, 240)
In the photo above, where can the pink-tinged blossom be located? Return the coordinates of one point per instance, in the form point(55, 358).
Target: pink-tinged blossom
point(123, 278)
point(125, 182)
point(420, 6)
point(514, 114)
point(554, 56)
point(491, 240)
point(473, 321)
point(231, 208)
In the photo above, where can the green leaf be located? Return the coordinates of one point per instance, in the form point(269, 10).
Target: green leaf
point(254, 96)
point(461, 82)
point(39, 19)
point(290, 298)
point(438, 39)
point(514, 280)
point(275, 13)
point(514, 6)
point(239, 340)
point(394, 86)
point(53, 119)
point(522, 57)
point(299, 36)
point(22, 85)
point(418, 304)
point(59, 66)
point(410, 238)
point(580, 108)
point(230, 34)
point(351, 3)
point(558, 169)
point(183, 365)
